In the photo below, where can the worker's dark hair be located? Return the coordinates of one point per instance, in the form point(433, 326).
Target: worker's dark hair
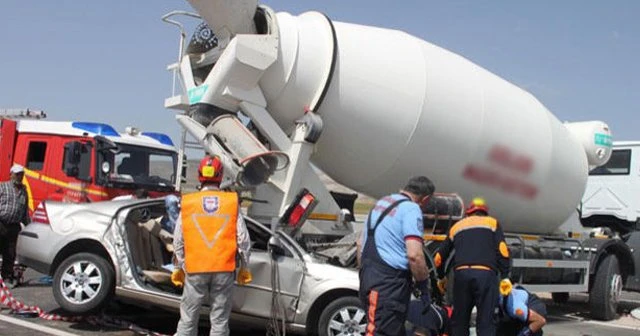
point(420, 186)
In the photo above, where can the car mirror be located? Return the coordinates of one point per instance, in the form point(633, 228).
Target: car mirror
point(277, 251)
point(275, 247)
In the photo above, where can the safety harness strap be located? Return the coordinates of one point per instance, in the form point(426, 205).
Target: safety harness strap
point(383, 215)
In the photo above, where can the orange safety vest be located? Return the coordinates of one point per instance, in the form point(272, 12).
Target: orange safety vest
point(209, 220)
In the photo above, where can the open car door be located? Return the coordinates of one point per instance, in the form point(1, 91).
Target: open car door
point(277, 278)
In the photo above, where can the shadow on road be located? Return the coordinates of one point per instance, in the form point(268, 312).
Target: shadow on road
point(578, 307)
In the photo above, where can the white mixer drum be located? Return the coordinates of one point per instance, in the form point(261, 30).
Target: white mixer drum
point(397, 106)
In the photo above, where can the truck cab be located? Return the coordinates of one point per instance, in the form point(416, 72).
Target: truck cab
point(86, 161)
point(611, 203)
point(612, 196)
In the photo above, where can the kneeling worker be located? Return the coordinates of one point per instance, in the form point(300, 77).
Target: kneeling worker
point(480, 253)
point(209, 233)
point(523, 314)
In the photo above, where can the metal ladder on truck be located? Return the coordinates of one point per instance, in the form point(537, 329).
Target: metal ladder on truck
point(22, 114)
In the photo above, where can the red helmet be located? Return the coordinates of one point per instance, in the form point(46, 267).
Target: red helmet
point(477, 204)
point(210, 170)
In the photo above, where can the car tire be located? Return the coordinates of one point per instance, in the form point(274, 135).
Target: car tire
point(606, 289)
point(343, 316)
point(560, 297)
point(83, 283)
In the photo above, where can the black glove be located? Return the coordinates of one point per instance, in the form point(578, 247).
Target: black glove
point(423, 287)
point(525, 332)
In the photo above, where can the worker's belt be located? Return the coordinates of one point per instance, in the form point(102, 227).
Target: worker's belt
point(476, 267)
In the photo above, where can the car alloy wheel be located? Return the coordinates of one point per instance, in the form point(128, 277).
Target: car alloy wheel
point(81, 282)
point(348, 321)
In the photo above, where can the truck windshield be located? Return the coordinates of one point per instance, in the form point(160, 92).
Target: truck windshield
point(618, 164)
point(152, 168)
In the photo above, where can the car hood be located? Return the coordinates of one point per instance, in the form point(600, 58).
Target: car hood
point(321, 272)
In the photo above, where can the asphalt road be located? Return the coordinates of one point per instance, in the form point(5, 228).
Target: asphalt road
point(117, 321)
point(571, 319)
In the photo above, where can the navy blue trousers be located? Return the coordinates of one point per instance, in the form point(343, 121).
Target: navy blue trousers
point(477, 288)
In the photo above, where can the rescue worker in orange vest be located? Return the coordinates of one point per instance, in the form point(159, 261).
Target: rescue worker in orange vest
point(210, 233)
point(481, 255)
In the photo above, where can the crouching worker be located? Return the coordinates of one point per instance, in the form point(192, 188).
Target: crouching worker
point(428, 321)
point(522, 314)
point(209, 232)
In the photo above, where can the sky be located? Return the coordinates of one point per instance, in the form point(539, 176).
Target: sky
point(106, 61)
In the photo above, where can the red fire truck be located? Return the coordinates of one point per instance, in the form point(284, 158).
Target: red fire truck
point(84, 161)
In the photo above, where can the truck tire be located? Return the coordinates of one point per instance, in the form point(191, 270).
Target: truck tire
point(343, 316)
point(83, 283)
point(606, 289)
point(560, 298)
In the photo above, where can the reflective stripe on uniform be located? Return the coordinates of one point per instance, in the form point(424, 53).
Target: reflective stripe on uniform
point(504, 250)
point(438, 259)
point(373, 303)
point(473, 222)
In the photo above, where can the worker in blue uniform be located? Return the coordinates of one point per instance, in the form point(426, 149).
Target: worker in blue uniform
point(481, 254)
point(521, 314)
point(390, 251)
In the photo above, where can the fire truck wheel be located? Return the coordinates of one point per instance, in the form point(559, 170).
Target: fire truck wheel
point(606, 289)
point(83, 283)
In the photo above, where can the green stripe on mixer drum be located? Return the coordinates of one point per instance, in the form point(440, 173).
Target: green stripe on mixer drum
point(603, 140)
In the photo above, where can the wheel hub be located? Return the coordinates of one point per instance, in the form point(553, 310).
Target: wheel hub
point(81, 279)
point(349, 326)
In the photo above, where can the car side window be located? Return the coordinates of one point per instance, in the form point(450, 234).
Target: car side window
point(259, 238)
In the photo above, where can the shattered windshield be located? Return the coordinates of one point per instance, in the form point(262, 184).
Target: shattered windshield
point(143, 166)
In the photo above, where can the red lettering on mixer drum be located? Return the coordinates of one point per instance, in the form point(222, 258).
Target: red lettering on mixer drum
point(497, 180)
point(507, 158)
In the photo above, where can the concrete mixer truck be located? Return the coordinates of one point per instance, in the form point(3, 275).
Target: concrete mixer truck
point(279, 97)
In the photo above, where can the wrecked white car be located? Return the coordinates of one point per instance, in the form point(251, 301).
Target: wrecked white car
point(101, 250)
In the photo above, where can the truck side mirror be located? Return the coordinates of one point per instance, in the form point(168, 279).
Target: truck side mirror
point(72, 155)
point(105, 144)
point(77, 160)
